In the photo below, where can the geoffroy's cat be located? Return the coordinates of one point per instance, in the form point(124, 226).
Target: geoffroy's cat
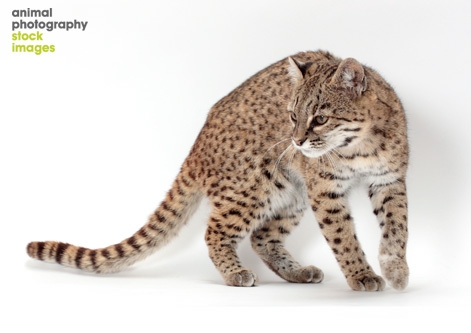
point(298, 134)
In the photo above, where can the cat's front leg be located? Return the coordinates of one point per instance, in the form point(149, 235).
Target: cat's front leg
point(390, 206)
point(336, 223)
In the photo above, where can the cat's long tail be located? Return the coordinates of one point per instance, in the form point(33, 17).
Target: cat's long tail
point(180, 203)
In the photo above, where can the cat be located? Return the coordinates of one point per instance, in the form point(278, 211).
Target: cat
point(297, 134)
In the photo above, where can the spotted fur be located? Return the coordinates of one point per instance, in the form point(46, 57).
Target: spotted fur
point(298, 134)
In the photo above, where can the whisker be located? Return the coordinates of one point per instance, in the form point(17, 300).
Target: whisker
point(339, 154)
point(280, 157)
point(332, 156)
point(322, 164)
point(290, 161)
point(332, 162)
point(276, 144)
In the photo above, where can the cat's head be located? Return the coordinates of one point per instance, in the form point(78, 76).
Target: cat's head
point(324, 107)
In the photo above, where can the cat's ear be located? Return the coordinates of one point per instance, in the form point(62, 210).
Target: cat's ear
point(297, 69)
point(350, 76)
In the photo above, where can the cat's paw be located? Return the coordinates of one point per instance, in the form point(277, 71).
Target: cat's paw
point(307, 274)
point(395, 271)
point(368, 281)
point(242, 278)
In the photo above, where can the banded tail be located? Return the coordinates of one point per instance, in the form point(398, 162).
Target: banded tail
point(180, 203)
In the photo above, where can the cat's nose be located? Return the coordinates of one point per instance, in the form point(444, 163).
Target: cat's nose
point(298, 142)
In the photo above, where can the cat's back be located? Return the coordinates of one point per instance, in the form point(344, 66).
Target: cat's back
point(267, 92)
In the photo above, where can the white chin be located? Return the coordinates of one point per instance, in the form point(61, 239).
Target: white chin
point(312, 153)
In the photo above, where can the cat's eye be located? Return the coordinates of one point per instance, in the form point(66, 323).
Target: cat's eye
point(320, 120)
point(293, 117)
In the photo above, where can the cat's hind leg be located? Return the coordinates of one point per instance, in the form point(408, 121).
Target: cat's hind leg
point(225, 231)
point(268, 241)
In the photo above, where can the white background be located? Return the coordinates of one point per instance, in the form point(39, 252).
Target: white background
point(92, 136)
